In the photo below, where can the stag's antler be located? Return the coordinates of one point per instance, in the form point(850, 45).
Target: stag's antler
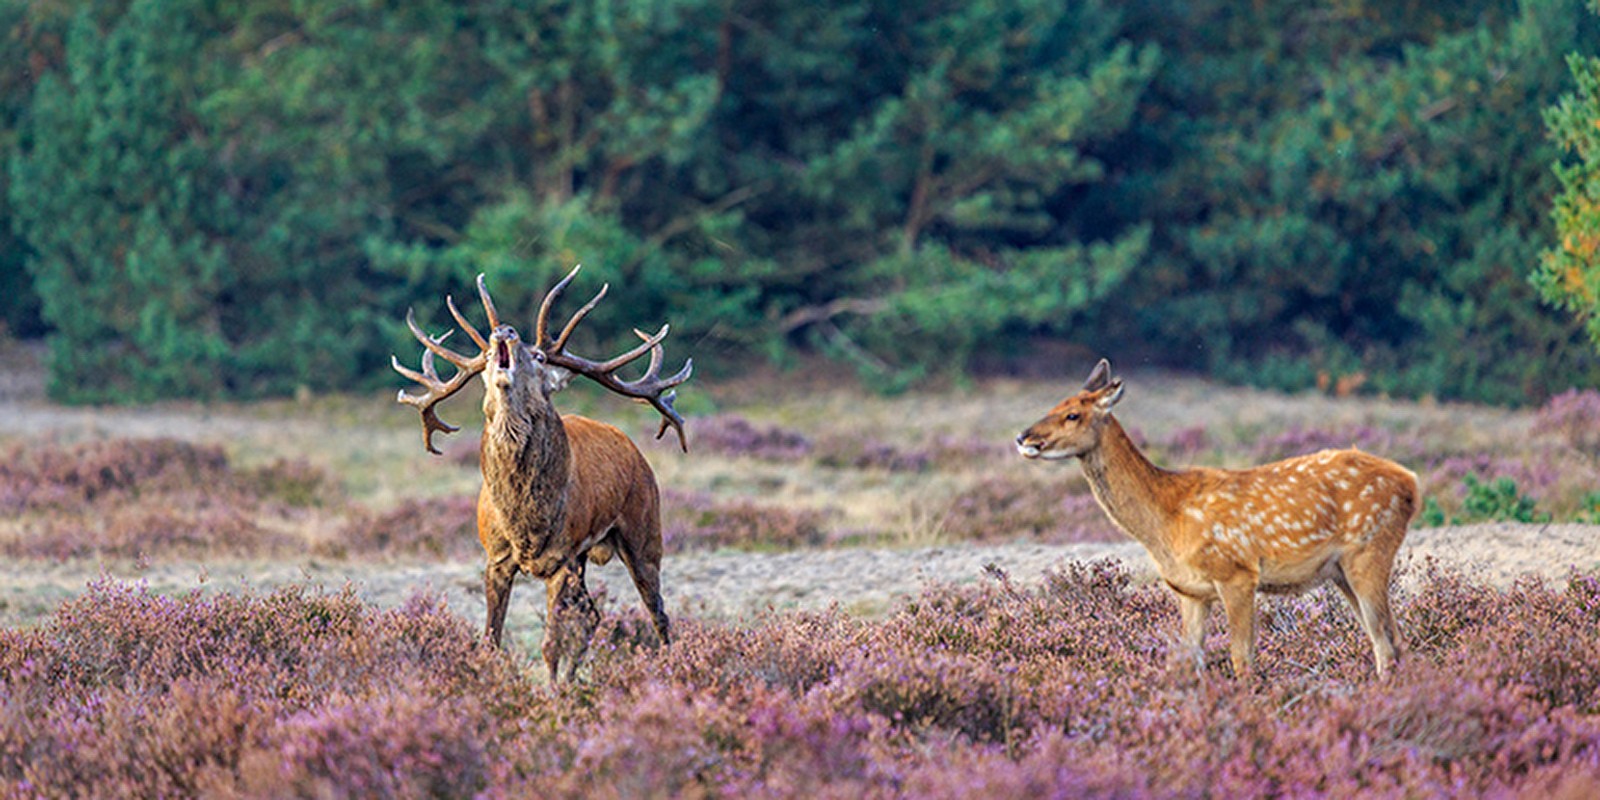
point(649, 387)
point(437, 389)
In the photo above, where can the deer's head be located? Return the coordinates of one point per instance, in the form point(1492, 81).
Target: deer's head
point(1073, 427)
point(521, 376)
point(518, 373)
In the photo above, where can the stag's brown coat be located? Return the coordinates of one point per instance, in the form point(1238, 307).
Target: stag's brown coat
point(558, 492)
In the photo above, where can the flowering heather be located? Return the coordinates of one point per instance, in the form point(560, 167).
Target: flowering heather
point(1074, 687)
point(871, 453)
point(1186, 443)
point(733, 435)
point(134, 497)
point(1575, 416)
point(1560, 483)
point(696, 521)
point(43, 476)
point(1533, 476)
point(1003, 509)
point(1299, 441)
point(438, 527)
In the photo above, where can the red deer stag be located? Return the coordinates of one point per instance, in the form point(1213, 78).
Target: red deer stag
point(1217, 534)
point(558, 491)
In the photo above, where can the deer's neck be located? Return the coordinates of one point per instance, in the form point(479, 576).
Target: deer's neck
point(526, 461)
point(1136, 494)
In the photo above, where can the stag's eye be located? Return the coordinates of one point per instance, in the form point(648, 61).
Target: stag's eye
point(1073, 417)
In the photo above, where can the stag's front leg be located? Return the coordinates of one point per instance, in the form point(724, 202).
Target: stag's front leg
point(498, 576)
point(570, 620)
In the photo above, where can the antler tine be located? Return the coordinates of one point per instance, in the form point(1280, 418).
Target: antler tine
point(650, 343)
point(663, 404)
point(654, 367)
point(477, 338)
point(541, 332)
point(488, 307)
point(577, 317)
point(434, 343)
point(435, 388)
point(649, 387)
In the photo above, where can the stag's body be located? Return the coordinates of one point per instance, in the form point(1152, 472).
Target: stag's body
point(558, 492)
point(568, 491)
point(1222, 535)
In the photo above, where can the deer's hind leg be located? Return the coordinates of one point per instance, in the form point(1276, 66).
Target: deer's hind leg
point(1363, 577)
point(570, 620)
point(639, 543)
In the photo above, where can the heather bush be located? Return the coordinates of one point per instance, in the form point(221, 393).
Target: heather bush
point(1556, 482)
point(124, 693)
point(133, 498)
point(1574, 415)
point(999, 508)
point(1073, 687)
point(697, 521)
point(293, 482)
point(857, 452)
point(45, 476)
point(1296, 441)
point(1185, 444)
point(733, 435)
point(438, 527)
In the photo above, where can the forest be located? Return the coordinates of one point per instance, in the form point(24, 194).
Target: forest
point(212, 199)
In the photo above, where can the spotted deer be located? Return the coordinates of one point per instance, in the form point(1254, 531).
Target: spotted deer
point(1220, 534)
point(559, 491)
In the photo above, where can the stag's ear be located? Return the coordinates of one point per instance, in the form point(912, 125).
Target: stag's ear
point(1113, 393)
point(556, 378)
point(1098, 377)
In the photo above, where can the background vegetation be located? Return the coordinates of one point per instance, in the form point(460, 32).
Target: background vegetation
point(207, 198)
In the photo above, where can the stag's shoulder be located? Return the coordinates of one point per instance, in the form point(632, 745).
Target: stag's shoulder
point(604, 441)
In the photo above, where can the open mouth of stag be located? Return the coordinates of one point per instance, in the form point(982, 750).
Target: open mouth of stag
point(502, 354)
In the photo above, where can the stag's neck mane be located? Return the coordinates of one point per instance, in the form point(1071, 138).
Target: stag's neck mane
point(526, 464)
point(1138, 496)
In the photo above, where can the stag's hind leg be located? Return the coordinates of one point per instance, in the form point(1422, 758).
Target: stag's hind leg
point(570, 620)
point(645, 568)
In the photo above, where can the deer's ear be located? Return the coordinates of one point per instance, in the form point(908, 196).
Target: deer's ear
point(556, 378)
point(1113, 393)
point(1098, 377)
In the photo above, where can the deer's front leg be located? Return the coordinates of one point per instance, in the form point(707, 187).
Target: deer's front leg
point(1193, 611)
point(498, 576)
point(1239, 600)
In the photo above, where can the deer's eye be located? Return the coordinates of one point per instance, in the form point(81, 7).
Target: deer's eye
point(1073, 417)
